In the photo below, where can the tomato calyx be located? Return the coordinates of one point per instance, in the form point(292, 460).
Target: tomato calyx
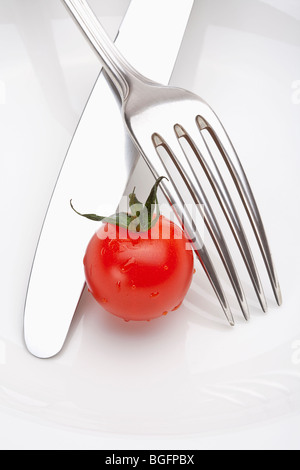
point(140, 217)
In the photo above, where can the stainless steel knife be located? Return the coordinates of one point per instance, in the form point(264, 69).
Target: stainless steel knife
point(95, 173)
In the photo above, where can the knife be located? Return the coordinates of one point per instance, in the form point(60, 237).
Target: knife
point(95, 173)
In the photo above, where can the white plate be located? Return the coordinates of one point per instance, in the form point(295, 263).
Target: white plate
point(186, 377)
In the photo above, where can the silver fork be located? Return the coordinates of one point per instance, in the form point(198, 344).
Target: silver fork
point(160, 117)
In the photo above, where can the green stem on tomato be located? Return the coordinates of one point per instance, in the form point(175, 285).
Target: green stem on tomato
point(140, 218)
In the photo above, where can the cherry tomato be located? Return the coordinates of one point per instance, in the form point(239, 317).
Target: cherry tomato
point(139, 276)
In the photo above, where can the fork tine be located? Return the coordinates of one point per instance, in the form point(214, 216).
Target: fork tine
point(203, 154)
point(208, 120)
point(172, 193)
point(191, 181)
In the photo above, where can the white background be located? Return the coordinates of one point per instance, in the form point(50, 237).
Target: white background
point(243, 58)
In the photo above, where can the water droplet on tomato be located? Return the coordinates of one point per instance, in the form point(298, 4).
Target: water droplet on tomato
point(119, 284)
point(177, 307)
point(166, 268)
point(154, 294)
point(113, 245)
point(128, 265)
point(123, 248)
point(103, 251)
point(133, 286)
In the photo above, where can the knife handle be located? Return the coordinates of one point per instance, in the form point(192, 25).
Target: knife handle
point(116, 66)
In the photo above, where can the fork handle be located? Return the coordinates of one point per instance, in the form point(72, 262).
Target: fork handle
point(118, 69)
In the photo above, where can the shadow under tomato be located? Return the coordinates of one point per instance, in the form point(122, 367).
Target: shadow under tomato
point(147, 349)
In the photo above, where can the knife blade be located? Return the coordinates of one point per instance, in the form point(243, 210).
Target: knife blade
point(96, 169)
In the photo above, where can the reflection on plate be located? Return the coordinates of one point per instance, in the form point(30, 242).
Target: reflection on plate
point(189, 372)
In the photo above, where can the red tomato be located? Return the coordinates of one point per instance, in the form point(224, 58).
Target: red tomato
point(139, 276)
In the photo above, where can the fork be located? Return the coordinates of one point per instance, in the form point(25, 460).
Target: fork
point(159, 117)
